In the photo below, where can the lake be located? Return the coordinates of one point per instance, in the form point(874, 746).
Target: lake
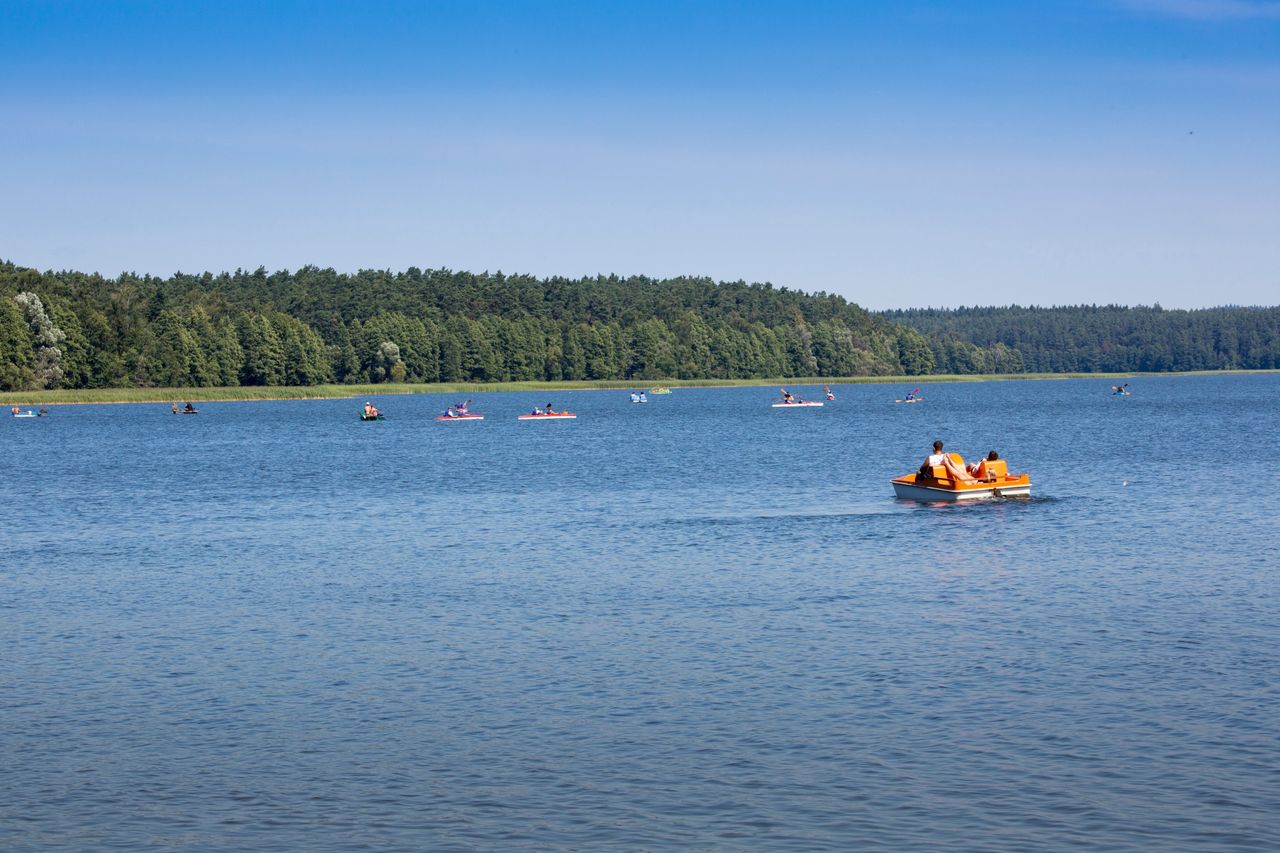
point(696, 623)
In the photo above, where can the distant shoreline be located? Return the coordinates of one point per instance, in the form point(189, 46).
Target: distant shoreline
point(98, 396)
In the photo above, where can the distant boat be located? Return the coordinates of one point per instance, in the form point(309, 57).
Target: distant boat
point(798, 404)
point(661, 389)
point(555, 416)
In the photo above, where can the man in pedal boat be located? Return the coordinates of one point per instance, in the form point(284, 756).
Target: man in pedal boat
point(938, 458)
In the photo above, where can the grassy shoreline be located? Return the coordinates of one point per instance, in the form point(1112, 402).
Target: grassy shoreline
point(337, 392)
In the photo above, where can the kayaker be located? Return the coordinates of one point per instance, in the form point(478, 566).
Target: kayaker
point(826, 389)
point(786, 395)
point(175, 408)
point(188, 408)
point(550, 411)
point(16, 411)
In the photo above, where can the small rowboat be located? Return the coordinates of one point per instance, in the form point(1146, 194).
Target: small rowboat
point(377, 417)
point(558, 416)
point(941, 487)
point(25, 415)
point(460, 417)
point(801, 404)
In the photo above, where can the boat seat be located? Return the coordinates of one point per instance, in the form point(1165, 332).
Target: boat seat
point(997, 469)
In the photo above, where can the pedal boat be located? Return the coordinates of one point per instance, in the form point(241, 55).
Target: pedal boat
point(999, 483)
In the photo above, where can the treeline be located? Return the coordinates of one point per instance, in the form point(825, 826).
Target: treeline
point(1093, 338)
point(312, 326)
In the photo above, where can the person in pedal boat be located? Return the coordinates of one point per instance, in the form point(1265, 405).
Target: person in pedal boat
point(938, 458)
point(979, 469)
point(635, 398)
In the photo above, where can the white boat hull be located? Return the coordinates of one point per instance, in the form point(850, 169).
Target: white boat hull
point(795, 405)
point(910, 491)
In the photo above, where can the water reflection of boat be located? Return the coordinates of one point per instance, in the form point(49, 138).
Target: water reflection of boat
point(940, 486)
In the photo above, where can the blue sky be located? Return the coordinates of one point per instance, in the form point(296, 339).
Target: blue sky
point(899, 153)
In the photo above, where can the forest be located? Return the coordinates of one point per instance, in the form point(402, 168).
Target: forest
point(314, 326)
point(1101, 339)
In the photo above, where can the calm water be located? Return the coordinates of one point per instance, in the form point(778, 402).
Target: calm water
point(698, 623)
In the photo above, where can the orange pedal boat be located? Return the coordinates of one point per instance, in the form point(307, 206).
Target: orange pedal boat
point(998, 483)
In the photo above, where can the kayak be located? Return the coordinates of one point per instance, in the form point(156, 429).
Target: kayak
point(940, 487)
point(916, 400)
point(460, 418)
point(799, 405)
point(26, 415)
point(558, 416)
point(185, 412)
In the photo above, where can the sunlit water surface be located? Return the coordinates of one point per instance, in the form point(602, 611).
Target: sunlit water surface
point(696, 623)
